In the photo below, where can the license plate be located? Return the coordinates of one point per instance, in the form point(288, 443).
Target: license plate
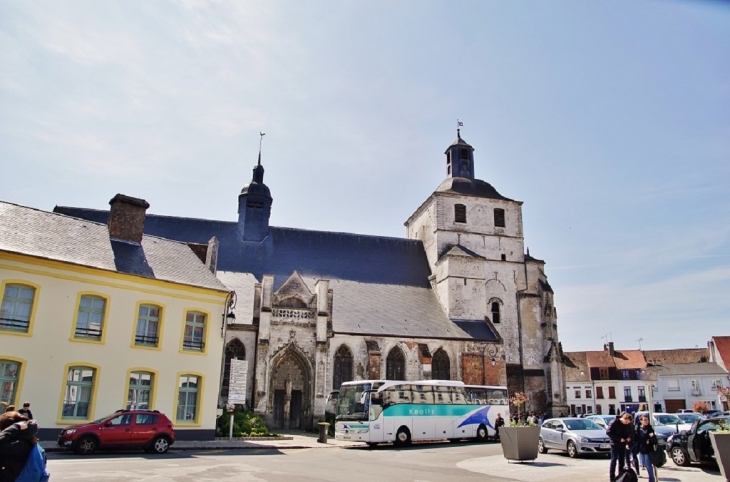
point(346, 437)
point(605, 446)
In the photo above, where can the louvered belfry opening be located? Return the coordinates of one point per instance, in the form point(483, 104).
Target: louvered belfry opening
point(459, 213)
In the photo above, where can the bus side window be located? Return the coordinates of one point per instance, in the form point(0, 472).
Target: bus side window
point(443, 395)
point(458, 395)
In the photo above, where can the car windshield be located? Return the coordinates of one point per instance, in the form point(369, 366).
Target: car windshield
point(581, 425)
point(668, 419)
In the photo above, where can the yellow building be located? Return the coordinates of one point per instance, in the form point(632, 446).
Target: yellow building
point(96, 318)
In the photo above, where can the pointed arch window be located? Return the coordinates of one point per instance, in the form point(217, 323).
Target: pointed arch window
point(395, 365)
point(440, 366)
point(343, 367)
point(234, 351)
point(495, 312)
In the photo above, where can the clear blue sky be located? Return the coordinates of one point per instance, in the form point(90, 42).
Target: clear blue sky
point(609, 119)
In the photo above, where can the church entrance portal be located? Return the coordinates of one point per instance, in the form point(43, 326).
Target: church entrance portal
point(290, 389)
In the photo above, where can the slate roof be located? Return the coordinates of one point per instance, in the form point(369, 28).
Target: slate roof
point(681, 355)
point(691, 369)
point(41, 234)
point(380, 284)
point(574, 363)
point(316, 254)
point(629, 359)
point(470, 187)
point(600, 359)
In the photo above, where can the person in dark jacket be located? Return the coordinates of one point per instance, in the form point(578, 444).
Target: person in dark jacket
point(499, 422)
point(633, 449)
point(17, 439)
point(646, 443)
point(25, 411)
point(619, 433)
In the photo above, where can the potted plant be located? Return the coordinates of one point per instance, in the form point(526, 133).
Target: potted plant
point(721, 441)
point(519, 440)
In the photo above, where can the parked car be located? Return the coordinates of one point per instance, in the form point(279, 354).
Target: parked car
point(601, 420)
point(690, 417)
point(694, 445)
point(576, 436)
point(670, 420)
point(712, 413)
point(685, 410)
point(125, 429)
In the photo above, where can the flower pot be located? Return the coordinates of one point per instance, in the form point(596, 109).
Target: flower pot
point(721, 446)
point(519, 443)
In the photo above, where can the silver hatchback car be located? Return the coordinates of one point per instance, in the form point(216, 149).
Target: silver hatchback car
point(576, 436)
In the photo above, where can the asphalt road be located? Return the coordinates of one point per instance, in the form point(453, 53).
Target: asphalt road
point(441, 462)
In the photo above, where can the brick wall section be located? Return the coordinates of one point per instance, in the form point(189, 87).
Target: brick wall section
point(472, 368)
point(374, 365)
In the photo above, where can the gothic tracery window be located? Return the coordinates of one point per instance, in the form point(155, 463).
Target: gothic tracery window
point(395, 365)
point(440, 366)
point(234, 350)
point(343, 367)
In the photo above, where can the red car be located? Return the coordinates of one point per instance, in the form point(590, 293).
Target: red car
point(146, 429)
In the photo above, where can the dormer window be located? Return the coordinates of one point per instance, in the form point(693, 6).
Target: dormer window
point(499, 218)
point(459, 213)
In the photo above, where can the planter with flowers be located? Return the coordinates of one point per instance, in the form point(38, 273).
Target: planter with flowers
point(721, 441)
point(519, 440)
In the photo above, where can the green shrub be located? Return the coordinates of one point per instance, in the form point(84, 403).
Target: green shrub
point(245, 424)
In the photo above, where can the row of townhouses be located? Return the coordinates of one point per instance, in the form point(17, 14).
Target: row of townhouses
point(606, 381)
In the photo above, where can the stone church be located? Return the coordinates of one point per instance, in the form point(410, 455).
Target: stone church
point(456, 299)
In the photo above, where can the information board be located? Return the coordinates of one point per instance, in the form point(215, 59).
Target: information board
point(237, 382)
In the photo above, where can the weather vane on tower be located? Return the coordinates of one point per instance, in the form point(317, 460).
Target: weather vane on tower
point(261, 141)
point(459, 125)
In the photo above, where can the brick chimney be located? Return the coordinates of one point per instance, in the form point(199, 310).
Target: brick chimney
point(126, 218)
point(609, 348)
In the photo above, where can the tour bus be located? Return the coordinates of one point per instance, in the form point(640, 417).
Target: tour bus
point(375, 411)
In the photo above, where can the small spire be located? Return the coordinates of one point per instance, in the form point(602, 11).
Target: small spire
point(261, 141)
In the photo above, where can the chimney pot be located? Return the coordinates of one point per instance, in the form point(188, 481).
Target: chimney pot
point(126, 218)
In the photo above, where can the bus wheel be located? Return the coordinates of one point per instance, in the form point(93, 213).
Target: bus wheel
point(402, 437)
point(482, 433)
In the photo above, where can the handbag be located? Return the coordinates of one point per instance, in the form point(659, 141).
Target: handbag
point(658, 457)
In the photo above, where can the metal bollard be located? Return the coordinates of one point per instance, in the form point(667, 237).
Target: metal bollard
point(323, 428)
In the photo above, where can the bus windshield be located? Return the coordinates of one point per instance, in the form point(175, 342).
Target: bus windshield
point(350, 404)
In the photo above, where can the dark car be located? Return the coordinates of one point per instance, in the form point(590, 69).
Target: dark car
point(694, 445)
point(125, 429)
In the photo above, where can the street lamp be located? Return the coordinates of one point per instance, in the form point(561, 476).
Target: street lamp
point(229, 317)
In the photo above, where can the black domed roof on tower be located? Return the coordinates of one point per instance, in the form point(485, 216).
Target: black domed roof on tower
point(257, 186)
point(470, 187)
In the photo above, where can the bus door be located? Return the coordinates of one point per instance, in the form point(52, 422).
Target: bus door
point(375, 417)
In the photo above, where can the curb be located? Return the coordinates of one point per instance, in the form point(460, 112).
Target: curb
point(183, 448)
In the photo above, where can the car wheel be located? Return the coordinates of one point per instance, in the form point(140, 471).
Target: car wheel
point(680, 457)
point(402, 437)
point(160, 445)
point(86, 445)
point(572, 449)
point(541, 446)
point(482, 433)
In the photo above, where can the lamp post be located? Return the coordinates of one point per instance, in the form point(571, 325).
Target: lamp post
point(229, 317)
